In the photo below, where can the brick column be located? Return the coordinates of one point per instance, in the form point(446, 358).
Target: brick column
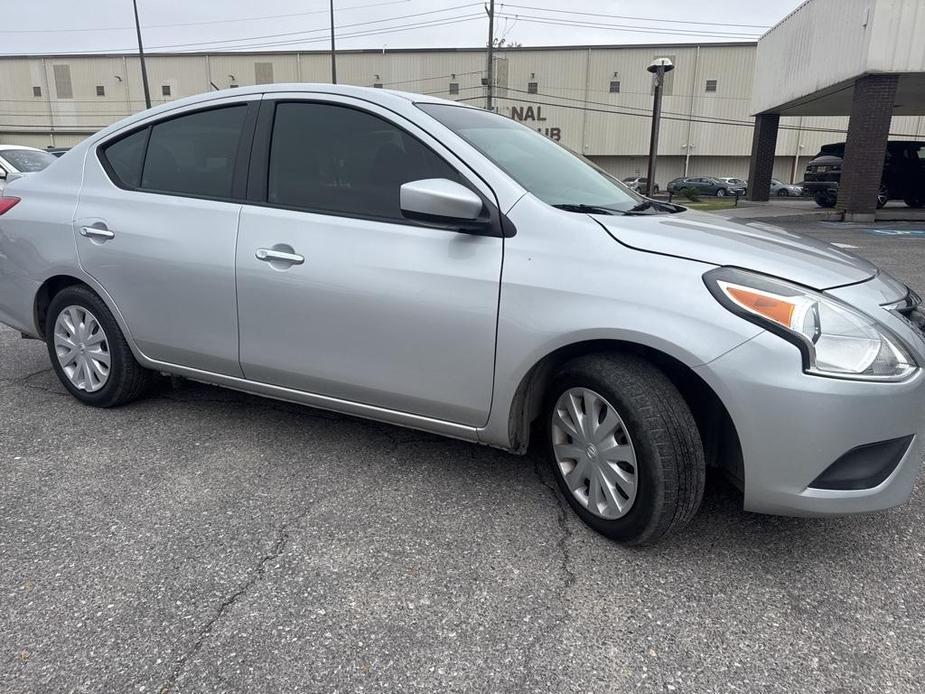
point(764, 147)
point(865, 147)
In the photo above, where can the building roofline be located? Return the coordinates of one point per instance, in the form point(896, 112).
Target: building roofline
point(389, 51)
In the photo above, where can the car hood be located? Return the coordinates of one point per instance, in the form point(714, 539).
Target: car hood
point(758, 247)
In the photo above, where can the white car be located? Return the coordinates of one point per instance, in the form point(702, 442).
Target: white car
point(17, 159)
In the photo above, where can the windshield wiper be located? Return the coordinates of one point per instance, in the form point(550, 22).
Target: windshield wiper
point(641, 207)
point(587, 209)
point(655, 206)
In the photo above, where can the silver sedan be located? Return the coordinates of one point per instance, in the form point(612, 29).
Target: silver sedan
point(785, 190)
point(437, 266)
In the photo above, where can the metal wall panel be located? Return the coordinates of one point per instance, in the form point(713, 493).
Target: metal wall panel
point(573, 102)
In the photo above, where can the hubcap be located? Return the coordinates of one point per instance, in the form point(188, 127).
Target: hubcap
point(594, 453)
point(82, 348)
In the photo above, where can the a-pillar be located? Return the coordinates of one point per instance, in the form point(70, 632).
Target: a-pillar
point(865, 147)
point(764, 147)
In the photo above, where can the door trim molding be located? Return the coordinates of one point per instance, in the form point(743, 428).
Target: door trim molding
point(323, 402)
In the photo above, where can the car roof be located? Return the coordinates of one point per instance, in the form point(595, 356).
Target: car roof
point(8, 147)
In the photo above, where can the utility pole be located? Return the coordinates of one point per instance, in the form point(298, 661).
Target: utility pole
point(491, 58)
point(141, 57)
point(658, 68)
point(333, 55)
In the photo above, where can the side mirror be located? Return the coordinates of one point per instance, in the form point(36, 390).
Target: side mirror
point(440, 200)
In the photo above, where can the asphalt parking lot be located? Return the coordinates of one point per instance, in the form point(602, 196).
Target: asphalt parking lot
point(203, 540)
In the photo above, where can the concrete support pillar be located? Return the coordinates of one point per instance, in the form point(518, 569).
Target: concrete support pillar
point(865, 148)
point(764, 147)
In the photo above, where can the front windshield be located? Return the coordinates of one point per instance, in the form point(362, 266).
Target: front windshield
point(552, 173)
point(27, 160)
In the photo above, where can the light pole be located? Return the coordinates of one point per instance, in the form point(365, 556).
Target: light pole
point(141, 57)
point(333, 54)
point(658, 68)
point(489, 95)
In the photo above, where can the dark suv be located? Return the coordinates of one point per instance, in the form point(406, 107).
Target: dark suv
point(903, 174)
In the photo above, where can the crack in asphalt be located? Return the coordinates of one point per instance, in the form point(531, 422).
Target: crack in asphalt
point(565, 534)
point(24, 382)
point(276, 549)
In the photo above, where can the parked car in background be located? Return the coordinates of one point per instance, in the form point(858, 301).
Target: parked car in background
point(638, 184)
point(736, 183)
point(903, 174)
point(20, 159)
point(785, 190)
point(437, 266)
point(706, 186)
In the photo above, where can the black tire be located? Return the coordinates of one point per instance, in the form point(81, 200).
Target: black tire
point(669, 451)
point(782, 193)
point(825, 200)
point(127, 380)
point(720, 192)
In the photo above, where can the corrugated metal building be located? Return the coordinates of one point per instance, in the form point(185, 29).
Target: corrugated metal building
point(593, 99)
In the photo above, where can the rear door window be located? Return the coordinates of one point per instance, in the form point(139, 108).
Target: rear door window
point(341, 160)
point(194, 154)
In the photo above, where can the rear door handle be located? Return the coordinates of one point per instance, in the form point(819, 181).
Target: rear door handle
point(270, 256)
point(95, 233)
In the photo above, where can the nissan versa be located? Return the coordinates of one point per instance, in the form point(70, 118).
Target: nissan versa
point(437, 266)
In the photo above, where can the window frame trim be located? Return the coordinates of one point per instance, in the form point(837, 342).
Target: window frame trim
point(258, 175)
point(241, 157)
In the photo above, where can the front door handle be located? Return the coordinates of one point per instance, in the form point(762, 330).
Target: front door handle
point(271, 256)
point(96, 233)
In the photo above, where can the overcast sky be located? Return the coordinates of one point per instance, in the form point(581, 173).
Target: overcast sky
point(61, 26)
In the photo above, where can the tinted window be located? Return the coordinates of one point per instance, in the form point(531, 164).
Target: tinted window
point(194, 154)
point(337, 159)
point(126, 156)
point(27, 160)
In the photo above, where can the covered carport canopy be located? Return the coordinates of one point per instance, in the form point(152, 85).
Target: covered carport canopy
point(861, 58)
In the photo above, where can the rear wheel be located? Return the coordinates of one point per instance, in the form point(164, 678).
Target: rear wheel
point(825, 199)
point(624, 448)
point(89, 352)
point(883, 196)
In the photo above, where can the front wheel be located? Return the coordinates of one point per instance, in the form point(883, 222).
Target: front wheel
point(825, 199)
point(720, 192)
point(782, 193)
point(624, 448)
point(88, 351)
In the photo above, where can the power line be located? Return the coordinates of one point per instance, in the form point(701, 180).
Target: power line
point(532, 19)
point(211, 21)
point(638, 19)
point(680, 118)
point(324, 29)
point(206, 49)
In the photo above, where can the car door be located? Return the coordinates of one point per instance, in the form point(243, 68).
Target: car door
point(156, 225)
point(365, 305)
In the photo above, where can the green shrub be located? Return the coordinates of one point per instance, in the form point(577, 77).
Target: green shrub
point(691, 194)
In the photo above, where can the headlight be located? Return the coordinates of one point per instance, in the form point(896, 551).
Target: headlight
point(835, 339)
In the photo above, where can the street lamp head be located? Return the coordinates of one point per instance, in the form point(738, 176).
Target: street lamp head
point(664, 63)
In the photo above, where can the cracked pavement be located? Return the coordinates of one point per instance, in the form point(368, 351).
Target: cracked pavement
point(202, 540)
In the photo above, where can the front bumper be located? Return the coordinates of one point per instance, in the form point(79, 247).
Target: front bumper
point(792, 426)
